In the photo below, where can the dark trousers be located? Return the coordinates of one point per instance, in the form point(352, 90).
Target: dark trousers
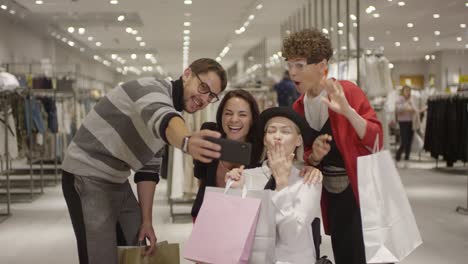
point(344, 221)
point(406, 138)
point(95, 207)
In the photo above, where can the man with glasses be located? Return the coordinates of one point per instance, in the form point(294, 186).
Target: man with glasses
point(345, 127)
point(123, 132)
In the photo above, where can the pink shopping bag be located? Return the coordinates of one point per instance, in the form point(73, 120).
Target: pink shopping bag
point(224, 230)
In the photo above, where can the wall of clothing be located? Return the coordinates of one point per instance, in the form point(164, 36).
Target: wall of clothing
point(446, 133)
point(374, 74)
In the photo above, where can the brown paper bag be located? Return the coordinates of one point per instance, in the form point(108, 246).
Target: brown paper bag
point(165, 254)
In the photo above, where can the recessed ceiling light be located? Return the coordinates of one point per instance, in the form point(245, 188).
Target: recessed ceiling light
point(188, 2)
point(437, 32)
point(437, 44)
point(39, 2)
point(134, 32)
point(186, 43)
point(186, 37)
point(463, 25)
point(246, 24)
point(353, 17)
point(466, 46)
point(401, 3)
point(370, 9)
point(260, 6)
point(138, 38)
point(99, 44)
point(344, 48)
point(133, 56)
point(251, 17)
point(436, 16)
point(218, 59)
point(355, 24)
point(466, 4)
point(113, 2)
point(148, 56)
point(114, 56)
point(410, 25)
point(433, 57)
point(71, 29)
point(325, 31)
point(121, 18)
point(4, 7)
point(129, 30)
point(427, 57)
point(12, 12)
point(81, 31)
point(142, 44)
point(90, 38)
point(340, 32)
point(390, 65)
point(459, 38)
point(371, 38)
point(340, 24)
point(187, 24)
point(96, 57)
point(397, 44)
point(71, 43)
point(186, 32)
point(376, 15)
point(415, 39)
point(64, 39)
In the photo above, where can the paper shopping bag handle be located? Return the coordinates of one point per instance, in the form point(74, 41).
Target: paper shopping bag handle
point(229, 184)
point(376, 148)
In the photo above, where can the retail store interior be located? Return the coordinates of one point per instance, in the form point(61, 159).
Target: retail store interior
point(65, 55)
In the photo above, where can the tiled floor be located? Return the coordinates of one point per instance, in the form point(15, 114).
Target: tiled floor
point(40, 232)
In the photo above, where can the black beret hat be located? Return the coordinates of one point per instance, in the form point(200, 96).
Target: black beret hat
point(290, 114)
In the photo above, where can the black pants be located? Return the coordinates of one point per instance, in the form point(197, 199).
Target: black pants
point(406, 138)
point(344, 221)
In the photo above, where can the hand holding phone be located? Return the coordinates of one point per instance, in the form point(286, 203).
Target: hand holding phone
point(233, 151)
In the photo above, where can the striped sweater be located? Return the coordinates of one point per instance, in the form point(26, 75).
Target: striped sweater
point(124, 130)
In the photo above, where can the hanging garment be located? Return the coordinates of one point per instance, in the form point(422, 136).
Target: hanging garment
point(51, 110)
point(8, 129)
point(32, 110)
point(8, 81)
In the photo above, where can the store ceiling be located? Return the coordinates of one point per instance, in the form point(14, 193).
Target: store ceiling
point(160, 24)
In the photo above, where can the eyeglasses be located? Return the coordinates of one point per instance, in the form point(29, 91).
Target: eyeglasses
point(204, 88)
point(299, 65)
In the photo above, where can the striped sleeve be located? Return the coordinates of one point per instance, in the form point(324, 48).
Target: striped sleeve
point(151, 170)
point(153, 101)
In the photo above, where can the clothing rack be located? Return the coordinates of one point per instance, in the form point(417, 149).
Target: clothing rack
point(21, 189)
point(6, 171)
point(459, 101)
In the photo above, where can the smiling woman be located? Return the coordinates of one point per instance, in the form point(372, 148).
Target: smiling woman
point(235, 120)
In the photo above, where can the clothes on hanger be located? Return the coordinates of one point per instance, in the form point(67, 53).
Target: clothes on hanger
point(446, 131)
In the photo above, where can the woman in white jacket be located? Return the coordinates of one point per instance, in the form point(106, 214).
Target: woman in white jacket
point(297, 203)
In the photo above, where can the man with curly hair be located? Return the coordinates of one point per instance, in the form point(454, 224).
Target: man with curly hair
point(345, 127)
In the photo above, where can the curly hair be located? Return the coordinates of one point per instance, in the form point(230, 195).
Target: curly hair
point(308, 43)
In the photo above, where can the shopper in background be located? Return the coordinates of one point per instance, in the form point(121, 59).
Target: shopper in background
point(344, 126)
point(124, 131)
point(284, 133)
point(285, 90)
point(234, 120)
point(405, 112)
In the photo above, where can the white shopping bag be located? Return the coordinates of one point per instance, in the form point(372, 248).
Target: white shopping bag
point(263, 248)
point(389, 227)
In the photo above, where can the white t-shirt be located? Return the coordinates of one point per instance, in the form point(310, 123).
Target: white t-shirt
point(297, 206)
point(316, 112)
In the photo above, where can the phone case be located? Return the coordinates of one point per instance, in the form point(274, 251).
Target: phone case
point(233, 151)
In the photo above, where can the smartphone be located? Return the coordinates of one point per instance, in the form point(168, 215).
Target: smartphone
point(233, 151)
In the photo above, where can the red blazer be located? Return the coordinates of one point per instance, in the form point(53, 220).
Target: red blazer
point(348, 142)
